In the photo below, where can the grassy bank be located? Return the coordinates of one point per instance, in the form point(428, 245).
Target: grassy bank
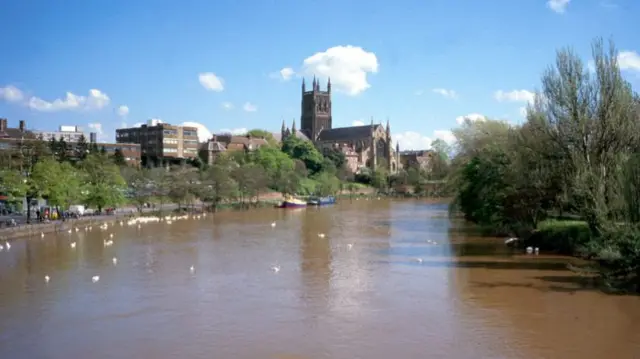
point(561, 236)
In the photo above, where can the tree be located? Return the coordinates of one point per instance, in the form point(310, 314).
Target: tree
point(118, 158)
point(264, 134)
point(336, 157)
point(250, 178)
point(140, 185)
point(104, 184)
point(103, 150)
point(12, 184)
point(303, 150)
point(217, 185)
point(327, 184)
point(81, 148)
point(182, 181)
point(62, 150)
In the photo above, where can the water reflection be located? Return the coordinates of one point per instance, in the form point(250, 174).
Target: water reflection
point(358, 292)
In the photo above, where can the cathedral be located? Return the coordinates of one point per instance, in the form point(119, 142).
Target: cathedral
point(367, 146)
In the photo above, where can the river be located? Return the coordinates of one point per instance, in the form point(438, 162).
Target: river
point(390, 279)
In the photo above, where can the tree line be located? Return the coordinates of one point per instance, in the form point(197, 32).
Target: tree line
point(575, 157)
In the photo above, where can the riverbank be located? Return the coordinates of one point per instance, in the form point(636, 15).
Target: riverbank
point(270, 199)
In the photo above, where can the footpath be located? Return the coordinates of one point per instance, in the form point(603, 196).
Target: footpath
point(35, 229)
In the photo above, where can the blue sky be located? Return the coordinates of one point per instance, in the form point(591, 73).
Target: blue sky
point(421, 63)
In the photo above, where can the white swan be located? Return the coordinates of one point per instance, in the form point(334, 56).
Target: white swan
point(275, 268)
point(95, 278)
point(73, 245)
point(114, 260)
point(47, 278)
point(273, 224)
point(321, 235)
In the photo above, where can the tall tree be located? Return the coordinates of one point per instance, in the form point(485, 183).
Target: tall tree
point(118, 158)
point(104, 183)
point(81, 148)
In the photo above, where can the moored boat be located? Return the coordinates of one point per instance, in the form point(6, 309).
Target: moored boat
point(291, 202)
point(321, 201)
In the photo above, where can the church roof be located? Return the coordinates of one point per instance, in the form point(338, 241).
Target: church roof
point(347, 133)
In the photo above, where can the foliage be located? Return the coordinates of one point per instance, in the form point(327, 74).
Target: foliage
point(577, 152)
point(118, 158)
point(104, 184)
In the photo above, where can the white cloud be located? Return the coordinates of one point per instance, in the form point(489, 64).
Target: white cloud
point(347, 66)
point(411, 140)
point(285, 74)
point(95, 101)
point(211, 82)
point(123, 111)
point(446, 93)
point(98, 129)
point(515, 96)
point(249, 107)
point(558, 6)
point(357, 123)
point(629, 60)
point(472, 117)
point(203, 132)
point(227, 106)
point(235, 131)
point(523, 111)
point(11, 94)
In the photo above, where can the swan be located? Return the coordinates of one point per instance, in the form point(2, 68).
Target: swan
point(192, 269)
point(114, 260)
point(273, 224)
point(349, 246)
point(529, 250)
point(95, 278)
point(321, 235)
point(73, 245)
point(47, 278)
point(8, 245)
point(41, 234)
point(275, 269)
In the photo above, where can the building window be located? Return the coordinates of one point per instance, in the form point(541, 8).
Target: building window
point(172, 141)
point(170, 132)
point(189, 133)
point(170, 150)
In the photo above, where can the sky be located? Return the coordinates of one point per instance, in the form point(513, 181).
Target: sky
point(232, 65)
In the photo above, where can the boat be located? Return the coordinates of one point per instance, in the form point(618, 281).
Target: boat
point(291, 202)
point(321, 201)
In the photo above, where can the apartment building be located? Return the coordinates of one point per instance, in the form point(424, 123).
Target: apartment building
point(67, 133)
point(161, 143)
point(14, 138)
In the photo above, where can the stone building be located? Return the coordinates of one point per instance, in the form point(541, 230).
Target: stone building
point(365, 146)
point(421, 159)
point(227, 142)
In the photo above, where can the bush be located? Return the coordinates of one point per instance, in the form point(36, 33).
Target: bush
point(563, 237)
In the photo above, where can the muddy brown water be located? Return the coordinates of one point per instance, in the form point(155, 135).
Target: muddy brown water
point(392, 294)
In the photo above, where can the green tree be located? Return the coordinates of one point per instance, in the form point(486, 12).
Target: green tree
point(63, 150)
point(182, 182)
point(303, 150)
point(336, 157)
point(140, 185)
point(264, 134)
point(217, 185)
point(327, 184)
point(104, 184)
point(251, 179)
point(13, 184)
point(118, 158)
point(82, 148)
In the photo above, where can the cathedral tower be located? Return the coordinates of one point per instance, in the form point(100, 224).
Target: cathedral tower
point(315, 114)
